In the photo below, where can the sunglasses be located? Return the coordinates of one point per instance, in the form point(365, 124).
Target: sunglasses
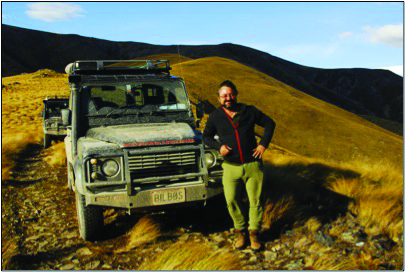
point(232, 96)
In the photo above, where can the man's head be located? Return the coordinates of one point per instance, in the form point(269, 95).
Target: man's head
point(227, 94)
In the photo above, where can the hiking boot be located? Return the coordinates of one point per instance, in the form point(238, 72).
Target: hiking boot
point(240, 239)
point(254, 240)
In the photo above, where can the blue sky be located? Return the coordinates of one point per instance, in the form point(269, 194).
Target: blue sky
point(316, 34)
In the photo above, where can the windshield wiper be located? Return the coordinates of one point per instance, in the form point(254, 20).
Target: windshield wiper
point(120, 108)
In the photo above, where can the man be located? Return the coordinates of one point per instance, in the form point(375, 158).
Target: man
point(234, 124)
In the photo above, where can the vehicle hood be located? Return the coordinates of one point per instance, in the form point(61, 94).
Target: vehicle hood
point(144, 134)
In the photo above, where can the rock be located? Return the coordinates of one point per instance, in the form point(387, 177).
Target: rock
point(323, 238)
point(253, 259)
point(84, 251)
point(348, 237)
point(218, 238)
point(184, 237)
point(276, 248)
point(67, 267)
point(124, 259)
point(92, 265)
point(385, 244)
point(270, 256)
point(289, 233)
point(294, 265)
point(71, 235)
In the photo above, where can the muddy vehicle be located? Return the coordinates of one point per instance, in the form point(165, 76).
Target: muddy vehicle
point(52, 119)
point(132, 142)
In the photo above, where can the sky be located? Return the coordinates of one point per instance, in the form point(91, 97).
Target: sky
point(315, 34)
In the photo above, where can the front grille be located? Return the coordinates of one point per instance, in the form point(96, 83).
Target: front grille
point(162, 164)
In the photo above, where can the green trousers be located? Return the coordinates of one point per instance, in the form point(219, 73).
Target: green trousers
point(235, 179)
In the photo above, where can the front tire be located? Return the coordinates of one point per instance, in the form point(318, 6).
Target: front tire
point(47, 140)
point(90, 219)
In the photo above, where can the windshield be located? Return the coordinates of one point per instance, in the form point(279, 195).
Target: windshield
point(134, 97)
point(53, 108)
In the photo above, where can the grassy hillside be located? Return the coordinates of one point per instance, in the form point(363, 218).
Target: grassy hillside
point(305, 125)
point(333, 176)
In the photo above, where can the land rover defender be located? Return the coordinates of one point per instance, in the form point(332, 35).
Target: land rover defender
point(132, 142)
point(52, 119)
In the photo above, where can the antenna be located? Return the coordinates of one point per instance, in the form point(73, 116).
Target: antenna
point(181, 65)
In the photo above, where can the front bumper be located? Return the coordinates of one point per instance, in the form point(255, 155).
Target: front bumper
point(142, 199)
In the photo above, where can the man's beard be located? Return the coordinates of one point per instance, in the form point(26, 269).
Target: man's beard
point(232, 105)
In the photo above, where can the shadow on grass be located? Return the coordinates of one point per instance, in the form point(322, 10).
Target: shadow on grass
point(304, 186)
point(32, 262)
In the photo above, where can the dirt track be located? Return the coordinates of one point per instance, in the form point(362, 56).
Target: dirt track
point(39, 230)
point(39, 226)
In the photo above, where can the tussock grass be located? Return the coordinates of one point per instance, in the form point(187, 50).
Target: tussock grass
point(325, 262)
point(274, 211)
point(57, 155)
point(192, 256)
point(313, 224)
point(375, 190)
point(145, 231)
point(9, 249)
point(378, 195)
point(22, 104)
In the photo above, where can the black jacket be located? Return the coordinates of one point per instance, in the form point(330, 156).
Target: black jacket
point(239, 136)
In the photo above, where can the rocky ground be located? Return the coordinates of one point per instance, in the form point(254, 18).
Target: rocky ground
point(39, 231)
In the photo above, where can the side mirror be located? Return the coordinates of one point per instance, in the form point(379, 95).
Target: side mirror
point(200, 110)
point(66, 117)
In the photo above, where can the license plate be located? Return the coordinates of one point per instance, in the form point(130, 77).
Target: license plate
point(168, 196)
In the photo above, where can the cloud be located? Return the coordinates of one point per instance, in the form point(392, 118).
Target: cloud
point(399, 70)
point(389, 34)
point(345, 35)
point(54, 11)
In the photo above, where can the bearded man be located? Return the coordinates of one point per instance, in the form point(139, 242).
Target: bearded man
point(234, 123)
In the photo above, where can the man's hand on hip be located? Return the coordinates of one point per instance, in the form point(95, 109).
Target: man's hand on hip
point(258, 151)
point(225, 150)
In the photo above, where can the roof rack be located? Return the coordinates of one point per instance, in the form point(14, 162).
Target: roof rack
point(100, 67)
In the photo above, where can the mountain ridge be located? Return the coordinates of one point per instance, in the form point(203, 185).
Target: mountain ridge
point(362, 91)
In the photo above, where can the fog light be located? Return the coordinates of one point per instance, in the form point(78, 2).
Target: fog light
point(94, 175)
point(209, 159)
point(93, 161)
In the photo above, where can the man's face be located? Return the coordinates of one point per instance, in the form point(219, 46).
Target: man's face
point(226, 98)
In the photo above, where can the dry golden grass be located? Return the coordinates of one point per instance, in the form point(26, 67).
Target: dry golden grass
point(145, 231)
point(313, 224)
point(192, 256)
point(378, 195)
point(275, 210)
point(325, 262)
point(376, 190)
point(337, 150)
point(57, 155)
point(305, 125)
point(9, 249)
point(22, 104)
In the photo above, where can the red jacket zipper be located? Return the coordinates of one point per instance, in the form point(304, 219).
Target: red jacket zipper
point(237, 135)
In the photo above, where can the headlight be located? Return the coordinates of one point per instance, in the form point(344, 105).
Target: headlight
point(209, 159)
point(110, 168)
